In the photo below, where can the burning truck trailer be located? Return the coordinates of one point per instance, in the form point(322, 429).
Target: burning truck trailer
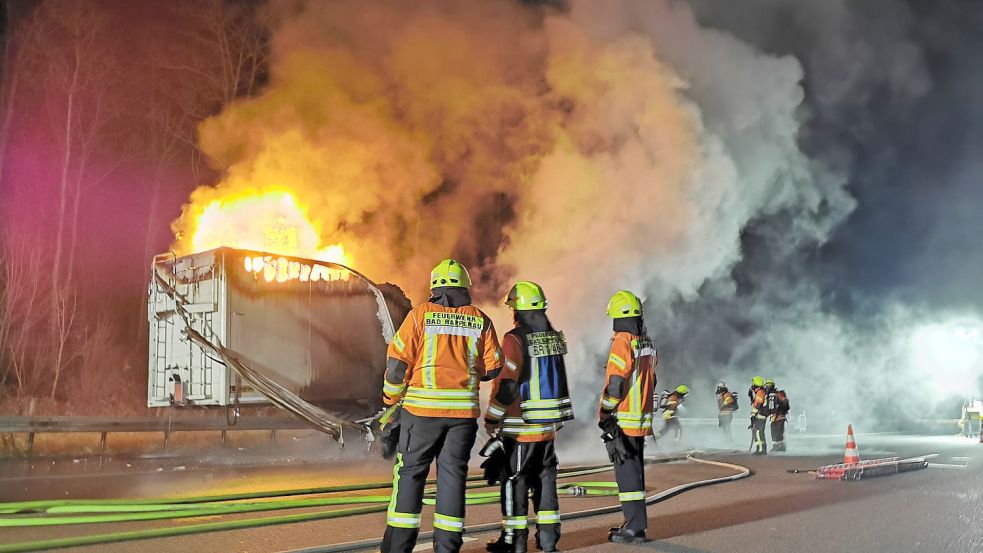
point(231, 327)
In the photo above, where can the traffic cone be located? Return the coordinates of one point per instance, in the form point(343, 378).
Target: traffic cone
point(852, 456)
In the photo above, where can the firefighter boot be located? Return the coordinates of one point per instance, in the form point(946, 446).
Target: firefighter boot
point(624, 535)
point(517, 543)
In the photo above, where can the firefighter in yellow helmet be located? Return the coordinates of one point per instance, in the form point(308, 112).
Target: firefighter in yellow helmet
point(435, 361)
point(669, 403)
point(627, 409)
point(529, 402)
point(759, 414)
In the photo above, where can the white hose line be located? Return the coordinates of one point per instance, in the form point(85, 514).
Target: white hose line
point(742, 472)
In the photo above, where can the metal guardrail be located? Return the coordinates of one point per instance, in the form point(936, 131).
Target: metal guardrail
point(105, 425)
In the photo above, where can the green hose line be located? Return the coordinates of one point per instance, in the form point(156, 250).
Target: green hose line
point(185, 529)
point(215, 505)
point(130, 517)
point(44, 504)
point(131, 513)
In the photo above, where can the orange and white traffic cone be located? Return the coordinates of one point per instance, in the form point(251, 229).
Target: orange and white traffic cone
point(852, 456)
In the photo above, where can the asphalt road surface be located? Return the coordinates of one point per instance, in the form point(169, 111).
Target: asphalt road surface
point(938, 509)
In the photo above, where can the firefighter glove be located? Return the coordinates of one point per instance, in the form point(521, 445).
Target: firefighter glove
point(495, 466)
point(389, 431)
point(615, 441)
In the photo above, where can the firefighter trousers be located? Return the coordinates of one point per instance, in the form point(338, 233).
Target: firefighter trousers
point(672, 424)
point(724, 420)
point(630, 476)
point(778, 430)
point(532, 468)
point(421, 440)
point(758, 435)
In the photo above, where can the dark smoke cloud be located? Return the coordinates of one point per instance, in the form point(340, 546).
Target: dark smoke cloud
point(891, 109)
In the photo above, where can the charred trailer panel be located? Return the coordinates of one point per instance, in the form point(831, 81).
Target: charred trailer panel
point(319, 330)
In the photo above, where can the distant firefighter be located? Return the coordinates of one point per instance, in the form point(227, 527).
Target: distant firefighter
point(778, 406)
point(669, 404)
point(759, 414)
point(726, 406)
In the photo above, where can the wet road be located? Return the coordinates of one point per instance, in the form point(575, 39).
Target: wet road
point(937, 509)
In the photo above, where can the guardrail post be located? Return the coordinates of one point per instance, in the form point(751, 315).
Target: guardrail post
point(30, 443)
point(167, 435)
point(273, 435)
point(102, 448)
point(225, 435)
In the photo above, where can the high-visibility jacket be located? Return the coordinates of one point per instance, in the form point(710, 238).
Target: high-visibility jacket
point(504, 404)
point(759, 403)
point(447, 350)
point(671, 408)
point(726, 402)
point(632, 360)
point(543, 390)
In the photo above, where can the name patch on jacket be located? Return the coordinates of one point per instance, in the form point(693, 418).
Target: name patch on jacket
point(643, 346)
point(457, 324)
point(542, 344)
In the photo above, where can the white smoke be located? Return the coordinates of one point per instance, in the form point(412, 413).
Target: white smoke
point(669, 234)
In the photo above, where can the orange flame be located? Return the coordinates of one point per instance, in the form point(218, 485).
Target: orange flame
point(271, 220)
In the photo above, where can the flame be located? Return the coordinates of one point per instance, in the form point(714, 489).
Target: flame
point(271, 220)
point(281, 269)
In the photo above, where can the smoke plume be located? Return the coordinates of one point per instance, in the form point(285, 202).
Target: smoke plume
point(685, 152)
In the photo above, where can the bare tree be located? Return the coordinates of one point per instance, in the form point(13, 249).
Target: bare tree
point(23, 308)
point(225, 52)
point(64, 330)
point(77, 82)
point(19, 45)
point(221, 55)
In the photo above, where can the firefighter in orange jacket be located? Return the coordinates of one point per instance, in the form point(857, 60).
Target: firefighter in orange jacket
point(435, 361)
point(529, 402)
point(759, 414)
point(670, 412)
point(627, 409)
point(726, 405)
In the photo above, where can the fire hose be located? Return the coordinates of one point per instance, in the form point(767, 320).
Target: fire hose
point(277, 394)
point(100, 511)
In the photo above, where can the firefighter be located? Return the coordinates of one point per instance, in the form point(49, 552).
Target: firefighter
point(627, 409)
point(726, 405)
point(529, 402)
point(435, 361)
point(670, 412)
point(778, 406)
point(759, 414)
point(964, 424)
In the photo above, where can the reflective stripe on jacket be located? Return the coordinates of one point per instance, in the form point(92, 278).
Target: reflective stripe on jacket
point(726, 403)
point(632, 358)
point(447, 351)
point(543, 390)
point(504, 406)
point(759, 403)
